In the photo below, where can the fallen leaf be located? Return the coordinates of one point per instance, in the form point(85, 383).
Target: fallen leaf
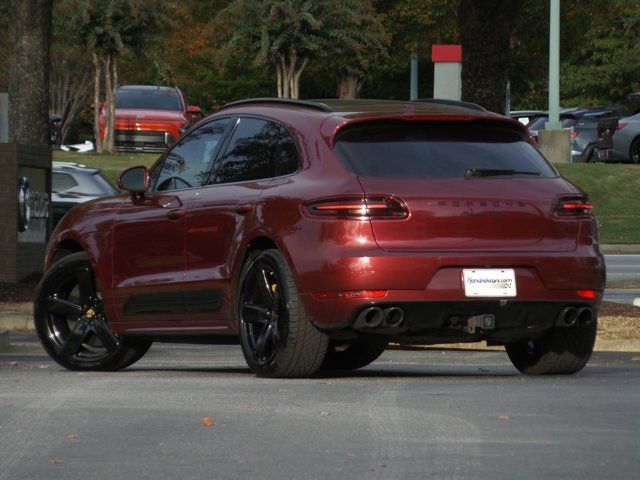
point(207, 421)
point(504, 417)
point(43, 366)
point(635, 359)
point(324, 414)
point(13, 364)
point(57, 461)
point(72, 437)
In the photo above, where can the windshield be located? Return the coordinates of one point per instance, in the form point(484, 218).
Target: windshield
point(148, 99)
point(538, 123)
point(438, 150)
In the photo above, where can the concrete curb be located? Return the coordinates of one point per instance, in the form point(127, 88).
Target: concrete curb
point(16, 316)
point(4, 340)
point(620, 248)
point(602, 345)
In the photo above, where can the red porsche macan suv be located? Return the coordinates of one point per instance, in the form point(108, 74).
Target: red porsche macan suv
point(316, 232)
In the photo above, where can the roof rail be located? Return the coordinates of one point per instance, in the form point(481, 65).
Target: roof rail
point(456, 103)
point(283, 101)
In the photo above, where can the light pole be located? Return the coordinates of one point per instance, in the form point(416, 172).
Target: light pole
point(413, 91)
point(554, 67)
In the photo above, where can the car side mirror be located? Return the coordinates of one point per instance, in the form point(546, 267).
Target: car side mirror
point(194, 110)
point(134, 180)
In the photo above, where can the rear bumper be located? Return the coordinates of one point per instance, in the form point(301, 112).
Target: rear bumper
point(496, 321)
point(431, 286)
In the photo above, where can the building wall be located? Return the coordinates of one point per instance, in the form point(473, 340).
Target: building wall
point(20, 258)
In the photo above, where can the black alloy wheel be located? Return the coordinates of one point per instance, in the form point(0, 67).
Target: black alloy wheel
point(262, 312)
point(71, 323)
point(276, 335)
point(634, 151)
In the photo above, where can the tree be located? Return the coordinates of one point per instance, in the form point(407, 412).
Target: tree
point(603, 66)
point(29, 71)
point(288, 34)
point(485, 32)
point(70, 79)
point(362, 45)
point(109, 26)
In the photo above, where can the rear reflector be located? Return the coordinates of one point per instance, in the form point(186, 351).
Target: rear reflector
point(573, 206)
point(620, 126)
point(349, 294)
point(362, 207)
point(588, 294)
point(574, 134)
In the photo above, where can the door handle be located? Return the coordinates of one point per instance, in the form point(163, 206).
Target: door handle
point(244, 209)
point(176, 214)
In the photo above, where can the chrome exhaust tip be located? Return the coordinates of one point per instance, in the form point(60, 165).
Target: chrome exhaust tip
point(584, 316)
point(371, 317)
point(393, 317)
point(567, 317)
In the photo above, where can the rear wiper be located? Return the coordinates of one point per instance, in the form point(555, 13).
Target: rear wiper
point(494, 172)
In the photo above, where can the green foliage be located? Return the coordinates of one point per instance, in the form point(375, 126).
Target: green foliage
point(599, 53)
point(110, 25)
point(606, 65)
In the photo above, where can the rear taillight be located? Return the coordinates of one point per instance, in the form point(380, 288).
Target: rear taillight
point(575, 133)
point(573, 206)
point(620, 126)
point(362, 207)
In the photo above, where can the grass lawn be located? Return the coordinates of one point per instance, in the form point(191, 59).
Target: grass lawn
point(615, 193)
point(614, 188)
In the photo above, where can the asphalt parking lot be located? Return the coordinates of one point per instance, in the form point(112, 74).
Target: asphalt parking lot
point(412, 414)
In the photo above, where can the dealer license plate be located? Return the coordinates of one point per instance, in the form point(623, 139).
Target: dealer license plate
point(488, 282)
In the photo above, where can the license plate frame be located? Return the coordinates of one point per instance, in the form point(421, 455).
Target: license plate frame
point(489, 282)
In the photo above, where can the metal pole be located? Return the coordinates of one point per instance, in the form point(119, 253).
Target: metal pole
point(413, 93)
point(554, 67)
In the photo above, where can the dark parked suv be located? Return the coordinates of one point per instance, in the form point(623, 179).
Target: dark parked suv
point(316, 231)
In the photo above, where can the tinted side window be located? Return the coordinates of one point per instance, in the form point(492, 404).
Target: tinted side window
point(61, 182)
point(188, 163)
point(287, 159)
point(251, 152)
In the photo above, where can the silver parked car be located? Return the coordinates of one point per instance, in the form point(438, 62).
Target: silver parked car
point(626, 140)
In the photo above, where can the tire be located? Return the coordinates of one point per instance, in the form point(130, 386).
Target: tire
point(71, 323)
point(562, 351)
point(592, 157)
point(276, 335)
point(354, 355)
point(634, 151)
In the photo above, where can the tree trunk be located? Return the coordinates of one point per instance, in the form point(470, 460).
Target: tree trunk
point(96, 102)
point(279, 78)
point(485, 31)
point(107, 146)
point(349, 85)
point(285, 78)
point(29, 71)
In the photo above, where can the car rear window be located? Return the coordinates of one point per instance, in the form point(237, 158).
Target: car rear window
point(148, 99)
point(437, 150)
point(539, 122)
